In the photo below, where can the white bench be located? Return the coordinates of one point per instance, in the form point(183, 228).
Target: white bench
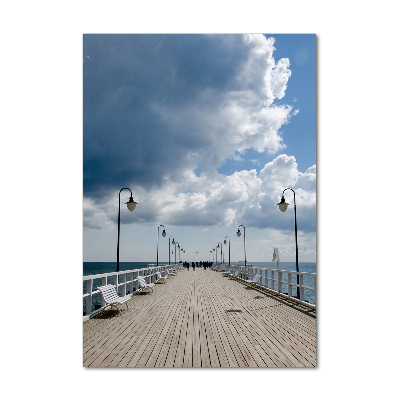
point(111, 298)
point(143, 285)
point(160, 278)
point(254, 280)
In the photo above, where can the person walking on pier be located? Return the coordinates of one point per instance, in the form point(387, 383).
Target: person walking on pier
point(193, 266)
point(187, 265)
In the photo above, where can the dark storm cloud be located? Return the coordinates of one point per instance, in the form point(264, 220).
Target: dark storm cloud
point(125, 80)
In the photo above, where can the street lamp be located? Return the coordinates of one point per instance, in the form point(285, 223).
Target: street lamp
point(131, 204)
point(173, 242)
point(179, 248)
point(229, 248)
point(244, 241)
point(213, 255)
point(221, 250)
point(169, 250)
point(158, 237)
point(283, 206)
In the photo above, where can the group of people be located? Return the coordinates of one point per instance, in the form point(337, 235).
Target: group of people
point(204, 264)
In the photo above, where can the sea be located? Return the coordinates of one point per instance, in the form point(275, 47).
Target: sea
point(95, 268)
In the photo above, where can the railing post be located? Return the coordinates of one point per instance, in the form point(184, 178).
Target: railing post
point(279, 282)
point(315, 290)
point(301, 288)
point(137, 282)
point(89, 286)
point(116, 282)
point(289, 285)
point(103, 283)
point(124, 285)
point(272, 280)
point(131, 283)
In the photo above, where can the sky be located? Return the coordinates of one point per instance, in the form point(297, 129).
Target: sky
point(207, 131)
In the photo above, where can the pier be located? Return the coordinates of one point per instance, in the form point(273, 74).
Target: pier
point(203, 319)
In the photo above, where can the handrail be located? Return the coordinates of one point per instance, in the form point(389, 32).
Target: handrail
point(276, 275)
point(149, 272)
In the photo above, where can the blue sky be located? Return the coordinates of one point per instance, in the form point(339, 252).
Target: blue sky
point(207, 130)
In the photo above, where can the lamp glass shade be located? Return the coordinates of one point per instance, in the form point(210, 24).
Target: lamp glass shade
point(173, 241)
point(218, 247)
point(131, 204)
point(224, 241)
point(164, 233)
point(238, 233)
point(283, 206)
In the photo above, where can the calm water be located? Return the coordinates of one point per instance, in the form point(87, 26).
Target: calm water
point(95, 268)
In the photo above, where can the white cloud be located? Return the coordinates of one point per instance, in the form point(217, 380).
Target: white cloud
point(215, 199)
point(295, 112)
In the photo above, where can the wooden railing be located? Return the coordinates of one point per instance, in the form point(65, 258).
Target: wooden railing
point(129, 284)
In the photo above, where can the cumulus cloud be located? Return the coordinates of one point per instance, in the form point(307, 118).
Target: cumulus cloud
point(156, 106)
point(244, 197)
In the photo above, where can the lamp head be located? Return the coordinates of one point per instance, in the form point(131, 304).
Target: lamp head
point(238, 233)
point(173, 241)
point(164, 233)
point(131, 204)
point(218, 246)
point(282, 205)
point(225, 241)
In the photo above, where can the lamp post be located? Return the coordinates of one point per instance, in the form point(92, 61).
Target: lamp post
point(221, 251)
point(158, 237)
point(213, 255)
point(131, 204)
point(238, 233)
point(179, 248)
point(169, 250)
point(283, 206)
point(173, 242)
point(229, 248)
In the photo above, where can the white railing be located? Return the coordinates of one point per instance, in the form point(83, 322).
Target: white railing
point(272, 279)
point(149, 273)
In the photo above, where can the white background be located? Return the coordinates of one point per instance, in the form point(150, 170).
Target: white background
point(41, 201)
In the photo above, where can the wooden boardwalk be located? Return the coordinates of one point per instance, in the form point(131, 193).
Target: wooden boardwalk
point(202, 319)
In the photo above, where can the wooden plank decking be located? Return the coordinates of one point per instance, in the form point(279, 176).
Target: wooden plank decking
point(201, 319)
